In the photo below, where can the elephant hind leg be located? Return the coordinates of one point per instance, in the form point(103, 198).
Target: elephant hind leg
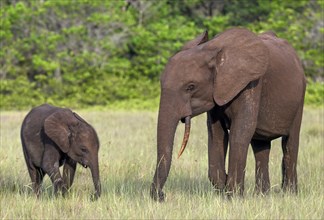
point(290, 146)
point(36, 174)
point(39, 179)
point(289, 164)
point(261, 150)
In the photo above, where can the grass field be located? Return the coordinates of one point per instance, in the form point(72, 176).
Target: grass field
point(127, 161)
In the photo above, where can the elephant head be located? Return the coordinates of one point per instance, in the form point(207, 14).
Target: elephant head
point(76, 138)
point(204, 74)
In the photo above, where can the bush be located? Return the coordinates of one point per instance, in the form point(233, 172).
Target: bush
point(315, 94)
point(86, 53)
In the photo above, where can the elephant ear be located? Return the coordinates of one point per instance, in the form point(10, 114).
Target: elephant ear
point(195, 42)
point(242, 58)
point(79, 118)
point(57, 127)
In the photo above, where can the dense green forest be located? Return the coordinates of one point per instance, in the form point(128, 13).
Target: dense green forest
point(83, 53)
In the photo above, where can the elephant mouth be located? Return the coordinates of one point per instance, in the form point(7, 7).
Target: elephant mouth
point(84, 165)
point(183, 120)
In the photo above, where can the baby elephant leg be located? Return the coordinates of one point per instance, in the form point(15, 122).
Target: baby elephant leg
point(68, 173)
point(51, 166)
point(36, 174)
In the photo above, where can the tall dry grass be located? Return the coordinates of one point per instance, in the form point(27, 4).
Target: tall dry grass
point(127, 160)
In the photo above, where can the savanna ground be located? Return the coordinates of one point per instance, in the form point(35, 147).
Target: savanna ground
point(127, 161)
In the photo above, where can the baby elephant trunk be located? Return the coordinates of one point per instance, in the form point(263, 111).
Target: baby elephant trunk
point(96, 180)
point(186, 136)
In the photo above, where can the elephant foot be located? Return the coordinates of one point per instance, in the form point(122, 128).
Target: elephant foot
point(231, 194)
point(157, 195)
point(262, 190)
point(261, 193)
point(290, 188)
point(234, 191)
point(60, 188)
point(220, 188)
point(94, 197)
point(289, 185)
point(37, 192)
point(219, 184)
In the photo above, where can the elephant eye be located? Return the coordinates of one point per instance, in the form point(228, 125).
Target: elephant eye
point(84, 149)
point(190, 88)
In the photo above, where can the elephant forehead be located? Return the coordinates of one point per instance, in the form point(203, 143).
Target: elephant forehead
point(182, 63)
point(186, 56)
point(88, 134)
point(181, 66)
point(175, 73)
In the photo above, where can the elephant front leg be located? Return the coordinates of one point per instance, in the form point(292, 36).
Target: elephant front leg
point(68, 173)
point(236, 168)
point(50, 165)
point(242, 129)
point(56, 178)
point(217, 149)
point(240, 136)
point(244, 115)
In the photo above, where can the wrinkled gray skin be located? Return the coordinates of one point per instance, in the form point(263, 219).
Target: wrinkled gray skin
point(251, 85)
point(52, 137)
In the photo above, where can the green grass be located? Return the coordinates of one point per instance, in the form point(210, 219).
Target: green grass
point(127, 161)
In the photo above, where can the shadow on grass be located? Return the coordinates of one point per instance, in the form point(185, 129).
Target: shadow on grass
point(182, 185)
point(125, 187)
point(141, 187)
point(13, 185)
point(10, 185)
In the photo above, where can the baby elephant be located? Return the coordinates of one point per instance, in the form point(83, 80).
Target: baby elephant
point(52, 137)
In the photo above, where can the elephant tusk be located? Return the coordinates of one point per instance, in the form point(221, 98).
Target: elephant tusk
point(186, 136)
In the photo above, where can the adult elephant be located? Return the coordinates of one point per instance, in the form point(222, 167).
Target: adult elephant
point(250, 85)
point(52, 137)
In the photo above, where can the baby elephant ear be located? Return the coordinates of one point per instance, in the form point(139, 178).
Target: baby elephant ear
point(243, 58)
point(195, 42)
point(56, 127)
point(79, 118)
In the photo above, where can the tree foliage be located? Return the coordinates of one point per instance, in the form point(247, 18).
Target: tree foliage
point(83, 53)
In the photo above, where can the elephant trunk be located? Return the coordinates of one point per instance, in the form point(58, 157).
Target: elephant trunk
point(166, 128)
point(95, 177)
point(186, 136)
